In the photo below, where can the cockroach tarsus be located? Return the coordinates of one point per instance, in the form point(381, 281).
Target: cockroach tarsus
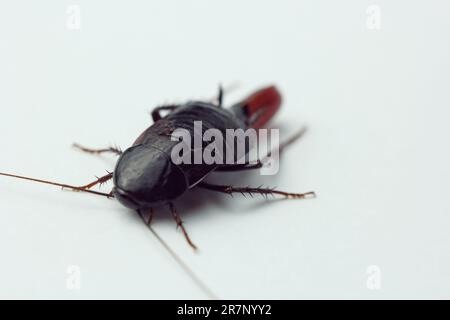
point(145, 178)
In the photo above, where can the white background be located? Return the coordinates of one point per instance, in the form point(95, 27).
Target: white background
point(377, 152)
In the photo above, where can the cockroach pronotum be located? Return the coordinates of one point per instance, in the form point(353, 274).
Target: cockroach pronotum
point(145, 177)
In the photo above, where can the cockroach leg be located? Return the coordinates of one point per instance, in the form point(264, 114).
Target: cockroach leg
point(291, 140)
point(179, 222)
point(223, 91)
point(156, 113)
point(150, 216)
point(259, 190)
point(115, 150)
point(220, 97)
point(100, 180)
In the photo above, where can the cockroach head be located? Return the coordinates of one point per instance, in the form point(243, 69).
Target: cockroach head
point(146, 177)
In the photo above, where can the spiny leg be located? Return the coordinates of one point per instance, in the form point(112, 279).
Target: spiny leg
point(220, 97)
point(156, 113)
point(290, 141)
point(251, 191)
point(100, 180)
point(115, 150)
point(223, 90)
point(259, 163)
point(150, 216)
point(179, 222)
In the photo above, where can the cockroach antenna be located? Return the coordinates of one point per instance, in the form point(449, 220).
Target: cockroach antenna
point(62, 185)
point(180, 262)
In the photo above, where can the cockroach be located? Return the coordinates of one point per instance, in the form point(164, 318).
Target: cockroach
point(145, 177)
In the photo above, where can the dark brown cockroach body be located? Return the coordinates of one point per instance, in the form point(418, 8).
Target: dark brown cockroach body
point(145, 176)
